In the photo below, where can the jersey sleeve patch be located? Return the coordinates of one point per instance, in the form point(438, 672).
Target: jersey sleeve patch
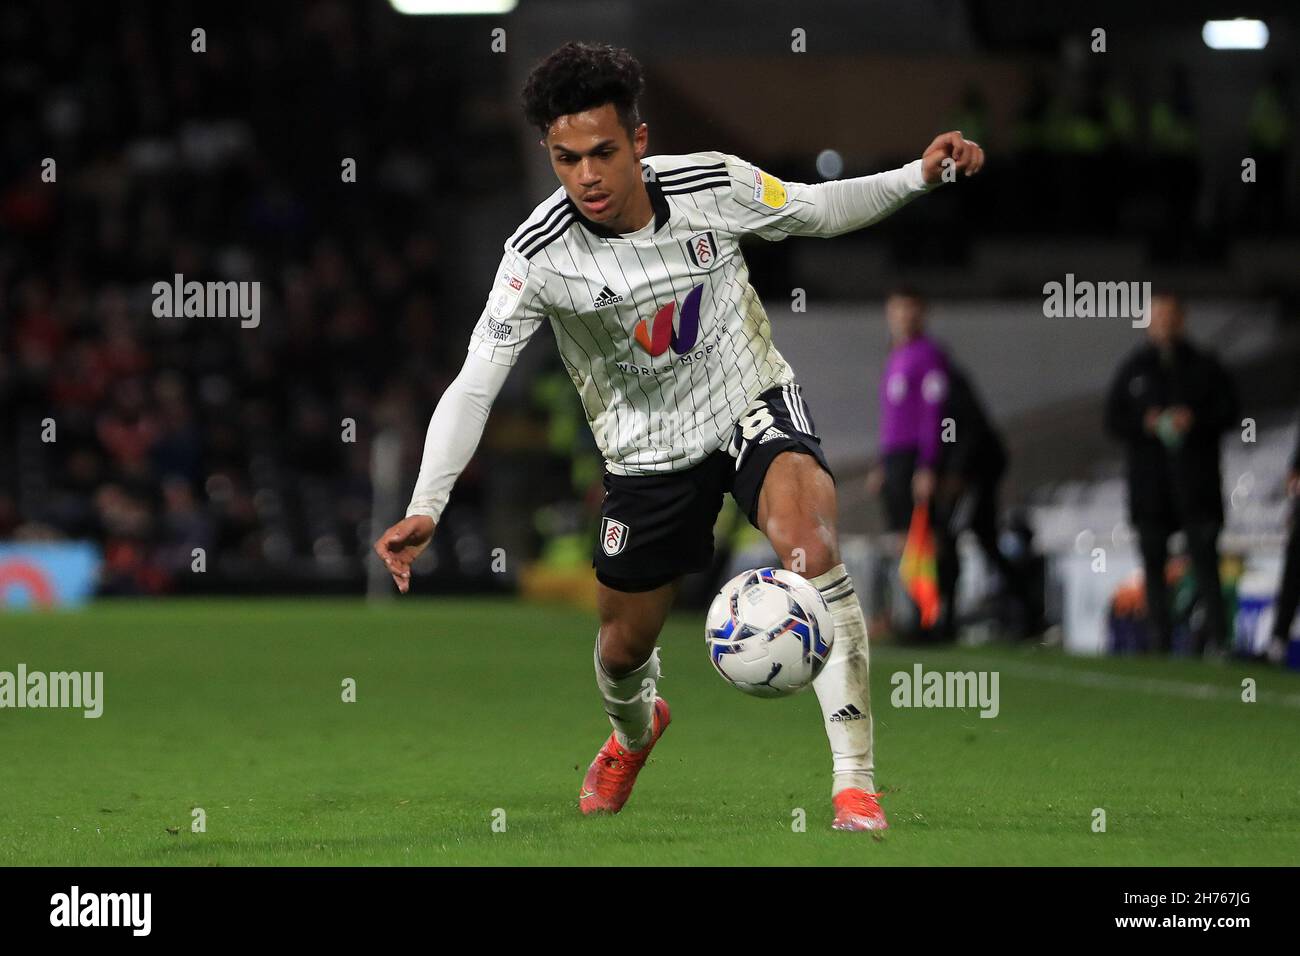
point(769, 190)
point(509, 286)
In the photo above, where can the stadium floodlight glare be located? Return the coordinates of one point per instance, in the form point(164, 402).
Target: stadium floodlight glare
point(830, 164)
point(453, 6)
point(1238, 34)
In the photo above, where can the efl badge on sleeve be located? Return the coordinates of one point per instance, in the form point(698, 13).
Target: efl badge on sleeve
point(702, 250)
point(768, 190)
point(613, 536)
point(509, 286)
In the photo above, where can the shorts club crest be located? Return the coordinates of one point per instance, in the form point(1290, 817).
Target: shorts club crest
point(613, 536)
point(675, 513)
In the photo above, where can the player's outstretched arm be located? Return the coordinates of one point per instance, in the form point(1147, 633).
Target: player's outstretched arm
point(772, 209)
point(453, 435)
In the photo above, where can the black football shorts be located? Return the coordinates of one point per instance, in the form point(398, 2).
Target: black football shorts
point(655, 528)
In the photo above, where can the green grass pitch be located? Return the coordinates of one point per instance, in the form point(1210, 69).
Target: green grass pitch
point(469, 707)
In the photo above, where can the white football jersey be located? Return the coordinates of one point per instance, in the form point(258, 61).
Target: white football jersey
point(659, 329)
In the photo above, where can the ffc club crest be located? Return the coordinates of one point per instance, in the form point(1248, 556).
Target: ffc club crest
point(613, 536)
point(702, 249)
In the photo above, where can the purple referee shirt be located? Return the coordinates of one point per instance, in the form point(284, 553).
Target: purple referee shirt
point(912, 392)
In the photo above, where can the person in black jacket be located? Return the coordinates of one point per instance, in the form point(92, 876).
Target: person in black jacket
point(1170, 403)
point(972, 462)
point(1288, 594)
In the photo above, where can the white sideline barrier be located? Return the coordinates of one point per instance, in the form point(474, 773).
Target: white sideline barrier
point(1087, 593)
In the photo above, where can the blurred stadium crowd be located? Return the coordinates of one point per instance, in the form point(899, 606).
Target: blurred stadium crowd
point(1139, 133)
point(1104, 152)
point(175, 434)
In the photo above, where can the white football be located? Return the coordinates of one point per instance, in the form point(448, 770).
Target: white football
point(769, 632)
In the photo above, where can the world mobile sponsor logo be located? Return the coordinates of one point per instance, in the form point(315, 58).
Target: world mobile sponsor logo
point(701, 352)
point(656, 337)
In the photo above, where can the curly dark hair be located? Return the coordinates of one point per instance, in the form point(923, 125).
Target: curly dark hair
point(581, 76)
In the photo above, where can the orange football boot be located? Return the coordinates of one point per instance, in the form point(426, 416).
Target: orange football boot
point(856, 809)
point(610, 777)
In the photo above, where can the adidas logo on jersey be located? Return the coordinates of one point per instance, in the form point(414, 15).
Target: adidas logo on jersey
point(772, 433)
point(607, 297)
point(848, 713)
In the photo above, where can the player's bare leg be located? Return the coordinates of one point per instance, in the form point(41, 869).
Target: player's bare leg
point(627, 672)
point(797, 511)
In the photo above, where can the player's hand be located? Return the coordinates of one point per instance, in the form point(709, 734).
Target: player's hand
point(1151, 420)
point(1182, 418)
point(401, 544)
point(967, 156)
point(1293, 484)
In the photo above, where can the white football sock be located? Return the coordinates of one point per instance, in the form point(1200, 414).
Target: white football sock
point(843, 688)
point(629, 700)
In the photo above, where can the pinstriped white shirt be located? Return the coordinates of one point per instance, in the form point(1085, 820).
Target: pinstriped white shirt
point(660, 330)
